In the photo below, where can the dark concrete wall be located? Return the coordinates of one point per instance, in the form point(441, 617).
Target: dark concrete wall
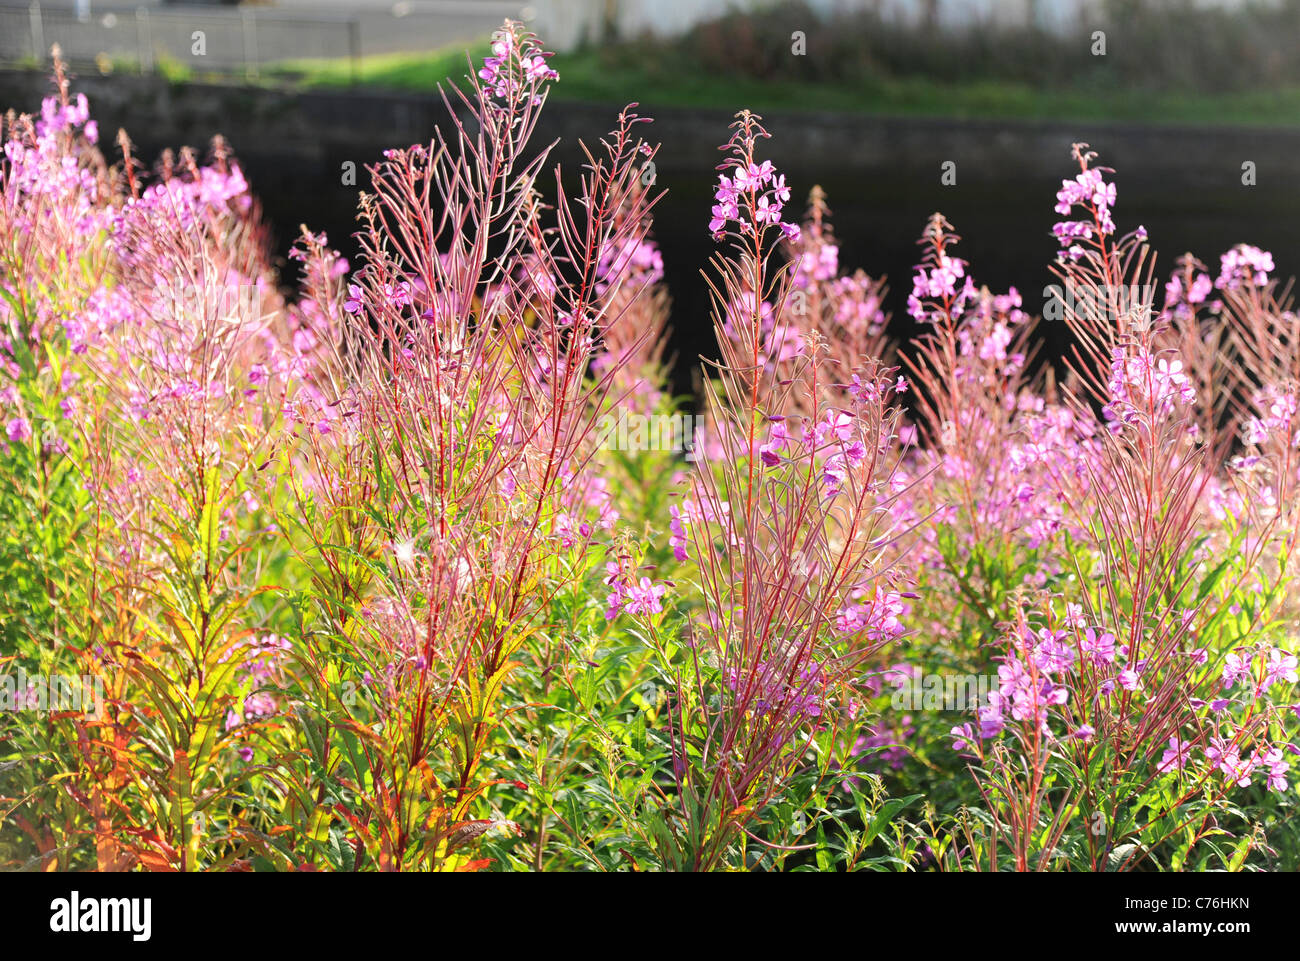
point(315, 125)
point(881, 175)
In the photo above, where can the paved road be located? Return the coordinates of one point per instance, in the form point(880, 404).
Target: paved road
point(284, 27)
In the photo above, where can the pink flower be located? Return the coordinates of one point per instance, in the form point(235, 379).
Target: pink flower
point(1227, 758)
point(963, 738)
point(754, 192)
point(1175, 756)
point(1276, 766)
point(1281, 666)
point(838, 426)
point(1235, 667)
point(677, 538)
point(643, 597)
point(1244, 264)
point(1099, 647)
point(535, 69)
point(18, 430)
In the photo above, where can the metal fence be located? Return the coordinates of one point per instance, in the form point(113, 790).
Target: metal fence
point(204, 40)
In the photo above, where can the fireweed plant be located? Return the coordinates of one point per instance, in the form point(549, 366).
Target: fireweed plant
point(349, 570)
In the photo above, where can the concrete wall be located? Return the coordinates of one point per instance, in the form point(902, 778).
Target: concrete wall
point(314, 126)
point(881, 175)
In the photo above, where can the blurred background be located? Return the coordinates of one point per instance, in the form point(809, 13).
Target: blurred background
point(1196, 103)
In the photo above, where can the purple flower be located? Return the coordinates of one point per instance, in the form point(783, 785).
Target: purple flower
point(535, 69)
point(1281, 666)
point(1227, 758)
point(1175, 756)
point(643, 597)
point(1244, 264)
point(992, 723)
point(1235, 667)
point(755, 192)
point(1277, 767)
point(18, 430)
point(963, 737)
point(676, 526)
point(617, 590)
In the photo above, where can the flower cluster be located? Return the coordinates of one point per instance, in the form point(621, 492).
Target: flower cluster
point(944, 281)
point(1279, 418)
point(1177, 294)
point(768, 690)
point(634, 261)
point(752, 198)
point(630, 594)
point(1142, 386)
point(877, 616)
point(1264, 666)
point(517, 66)
point(1089, 190)
point(1242, 265)
point(367, 529)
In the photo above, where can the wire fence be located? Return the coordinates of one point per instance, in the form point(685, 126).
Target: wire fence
point(233, 42)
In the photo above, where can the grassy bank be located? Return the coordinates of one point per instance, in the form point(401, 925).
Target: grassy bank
point(594, 76)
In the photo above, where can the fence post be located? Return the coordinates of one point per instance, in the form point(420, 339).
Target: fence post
point(354, 49)
point(144, 39)
point(250, 43)
point(38, 32)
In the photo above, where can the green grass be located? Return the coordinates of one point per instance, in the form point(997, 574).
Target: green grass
point(591, 77)
point(394, 71)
